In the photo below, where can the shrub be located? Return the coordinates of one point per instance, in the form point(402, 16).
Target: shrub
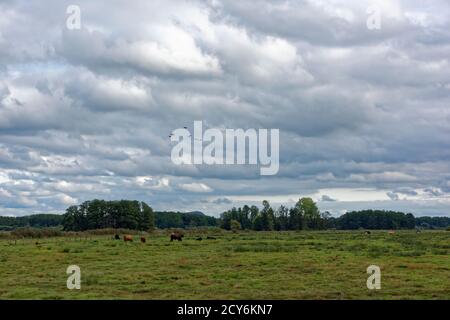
point(235, 225)
point(36, 233)
point(5, 235)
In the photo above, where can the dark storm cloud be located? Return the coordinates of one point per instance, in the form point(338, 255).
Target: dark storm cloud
point(363, 114)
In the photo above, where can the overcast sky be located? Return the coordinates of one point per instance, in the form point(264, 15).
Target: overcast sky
point(363, 114)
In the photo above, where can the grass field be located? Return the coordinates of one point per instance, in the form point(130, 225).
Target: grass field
point(246, 265)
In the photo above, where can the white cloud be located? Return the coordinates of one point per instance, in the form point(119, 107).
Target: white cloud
point(195, 187)
point(66, 200)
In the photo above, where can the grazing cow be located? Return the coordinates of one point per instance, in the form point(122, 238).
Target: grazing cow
point(418, 231)
point(199, 239)
point(127, 238)
point(391, 232)
point(367, 232)
point(176, 236)
point(117, 237)
point(210, 238)
point(143, 239)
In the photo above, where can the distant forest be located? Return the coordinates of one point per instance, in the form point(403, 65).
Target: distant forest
point(98, 214)
point(305, 215)
point(35, 221)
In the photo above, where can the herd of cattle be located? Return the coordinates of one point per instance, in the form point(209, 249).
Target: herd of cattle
point(179, 236)
point(173, 236)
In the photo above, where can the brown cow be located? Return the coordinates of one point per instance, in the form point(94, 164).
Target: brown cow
point(391, 232)
point(143, 239)
point(176, 236)
point(127, 237)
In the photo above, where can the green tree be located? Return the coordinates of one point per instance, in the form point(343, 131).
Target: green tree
point(311, 215)
point(226, 220)
point(295, 219)
point(267, 216)
point(245, 220)
point(98, 214)
point(146, 218)
point(282, 218)
point(69, 222)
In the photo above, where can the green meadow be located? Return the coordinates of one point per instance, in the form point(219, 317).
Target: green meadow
point(242, 265)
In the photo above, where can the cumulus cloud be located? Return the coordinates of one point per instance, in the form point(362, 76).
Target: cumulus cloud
point(393, 195)
point(434, 191)
point(363, 114)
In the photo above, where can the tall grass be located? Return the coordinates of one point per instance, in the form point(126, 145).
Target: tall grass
point(28, 232)
point(36, 233)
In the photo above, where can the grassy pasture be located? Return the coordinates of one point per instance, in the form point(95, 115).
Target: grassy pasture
point(245, 265)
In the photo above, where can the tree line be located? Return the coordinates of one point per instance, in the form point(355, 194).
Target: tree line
point(35, 220)
point(172, 219)
point(304, 215)
point(373, 219)
point(99, 214)
point(433, 222)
